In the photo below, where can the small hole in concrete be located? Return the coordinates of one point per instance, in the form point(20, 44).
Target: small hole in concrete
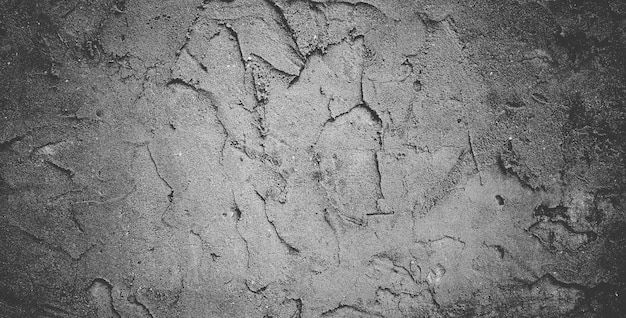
point(500, 199)
point(417, 85)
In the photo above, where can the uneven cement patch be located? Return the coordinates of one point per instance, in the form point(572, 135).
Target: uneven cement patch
point(272, 158)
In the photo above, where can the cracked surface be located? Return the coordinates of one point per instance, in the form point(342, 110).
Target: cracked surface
point(274, 158)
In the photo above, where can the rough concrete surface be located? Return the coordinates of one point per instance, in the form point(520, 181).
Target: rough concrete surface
point(285, 158)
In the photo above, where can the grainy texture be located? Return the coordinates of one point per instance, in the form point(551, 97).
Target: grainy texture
point(275, 158)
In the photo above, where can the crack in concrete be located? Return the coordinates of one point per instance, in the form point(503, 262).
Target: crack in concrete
point(352, 308)
point(432, 292)
point(374, 115)
point(272, 68)
point(257, 291)
point(437, 193)
point(261, 123)
point(334, 225)
point(215, 105)
point(260, 91)
point(6, 145)
point(558, 283)
point(471, 149)
point(291, 249)
point(66, 171)
point(74, 220)
point(199, 8)
point(195, 59)
point(170, 196)
point(109, 201)
point(244, 62)
point(381, 196)
point(377, 119)
point(456, 239)
point(396, 295)
point(399, 268)
point(48, 245)
point(590, 236)
point(329, 120)
point(353, 220)
point(286, 27)
point(298, 313)
point(499, 248)
point(246, 244)
point(253, 154)
point(237, 213)
point(146, 311)
point(99, 283)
